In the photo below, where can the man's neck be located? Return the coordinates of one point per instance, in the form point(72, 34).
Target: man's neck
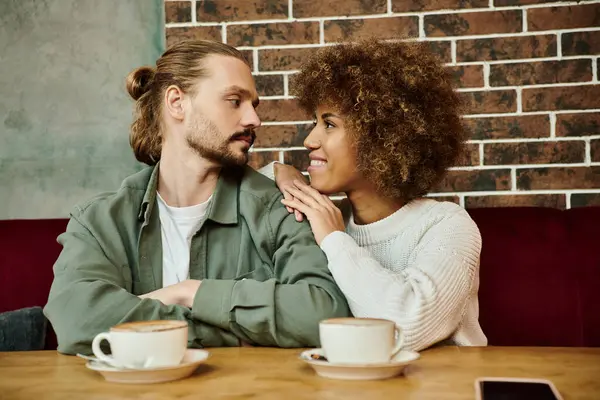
point(186, 179)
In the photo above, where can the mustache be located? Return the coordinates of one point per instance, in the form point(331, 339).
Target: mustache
point(244, 133)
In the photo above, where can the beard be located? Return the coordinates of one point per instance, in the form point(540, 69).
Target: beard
point(205, 138)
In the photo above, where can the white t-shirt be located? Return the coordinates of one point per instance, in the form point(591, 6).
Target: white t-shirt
point(177, 227)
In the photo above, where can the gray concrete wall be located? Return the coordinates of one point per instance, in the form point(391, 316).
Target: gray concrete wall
point(64, 110)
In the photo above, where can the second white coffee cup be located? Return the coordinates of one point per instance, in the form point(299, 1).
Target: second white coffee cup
point(360, 340)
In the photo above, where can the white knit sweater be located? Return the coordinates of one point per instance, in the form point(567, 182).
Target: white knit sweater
point(418, 267)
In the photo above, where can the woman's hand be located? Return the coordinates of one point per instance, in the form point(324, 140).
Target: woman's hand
point(323, 215)
point(285, 175)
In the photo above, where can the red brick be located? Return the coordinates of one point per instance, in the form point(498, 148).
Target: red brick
point(442, 49)
point(249, 56)
point(526, 126)
point(175, 35)
point(484, 102)
point(282, 59)
point(504, 3)
point(258, 159)
point(534, 153)
point(595, 150)
point(505, 48)
point(178, 11)
point(430, 5)
point(219, 10)
point(307, 9)
point(292, 83)
point(569, 17)
point(476, 180)
point(386, 28)
point(558, 178)
point(536, 73)
point(479, 23)
point(585, 200)
point(581, 43)
point(282, 135)
point(297, 158)
point(470, 156)
point(561, 98)
point(583, 124)
point(468, 76)
point(273, 34)
point(517, 200)
point(269, 85)
point(280, 110)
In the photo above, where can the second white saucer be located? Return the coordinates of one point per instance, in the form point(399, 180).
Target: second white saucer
point(359, 371)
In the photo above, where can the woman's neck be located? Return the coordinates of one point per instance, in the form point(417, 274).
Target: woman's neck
point(368, 206)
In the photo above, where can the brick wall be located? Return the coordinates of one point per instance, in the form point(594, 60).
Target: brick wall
point(527, 68)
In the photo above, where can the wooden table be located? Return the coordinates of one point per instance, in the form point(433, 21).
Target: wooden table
point(266, 373)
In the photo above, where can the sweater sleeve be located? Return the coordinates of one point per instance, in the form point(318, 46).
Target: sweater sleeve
point(428, 298)
point(268, 170)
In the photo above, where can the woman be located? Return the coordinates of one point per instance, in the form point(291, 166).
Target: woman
point(387, 127)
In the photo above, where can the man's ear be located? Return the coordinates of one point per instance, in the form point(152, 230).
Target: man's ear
point(174, 102)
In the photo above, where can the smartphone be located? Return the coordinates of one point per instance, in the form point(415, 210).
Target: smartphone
point(515, 389)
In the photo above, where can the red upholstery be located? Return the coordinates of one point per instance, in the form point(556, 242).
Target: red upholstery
point(540, 273)
point(584, 229)
point(540, 276)
point(28, 250)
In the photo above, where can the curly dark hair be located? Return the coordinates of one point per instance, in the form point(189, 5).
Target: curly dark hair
point(399, 108)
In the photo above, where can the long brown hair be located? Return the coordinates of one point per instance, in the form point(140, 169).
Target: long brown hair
point(180, 65)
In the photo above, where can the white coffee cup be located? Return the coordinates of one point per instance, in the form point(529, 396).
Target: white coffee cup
point(360, 340)
point(144, 344)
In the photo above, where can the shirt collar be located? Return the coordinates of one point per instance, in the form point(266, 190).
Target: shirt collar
point(223, 207)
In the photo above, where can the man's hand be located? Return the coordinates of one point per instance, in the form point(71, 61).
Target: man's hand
point(285, 175)
point(182, 293)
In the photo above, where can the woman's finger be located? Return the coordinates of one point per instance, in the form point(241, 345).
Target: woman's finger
point(297, 214)
point(298, 205)
point(303, 197)
point(328, 203)
point(288, 196)
point(310, 191)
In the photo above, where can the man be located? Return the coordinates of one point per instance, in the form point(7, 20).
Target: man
point(197, 236)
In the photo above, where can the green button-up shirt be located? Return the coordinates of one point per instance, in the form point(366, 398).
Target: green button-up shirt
point(264, 279)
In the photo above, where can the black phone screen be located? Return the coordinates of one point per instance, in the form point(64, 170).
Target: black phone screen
point(507, 390)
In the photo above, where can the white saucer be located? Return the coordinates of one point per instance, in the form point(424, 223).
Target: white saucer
point(359, 371)
point(191, 360)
